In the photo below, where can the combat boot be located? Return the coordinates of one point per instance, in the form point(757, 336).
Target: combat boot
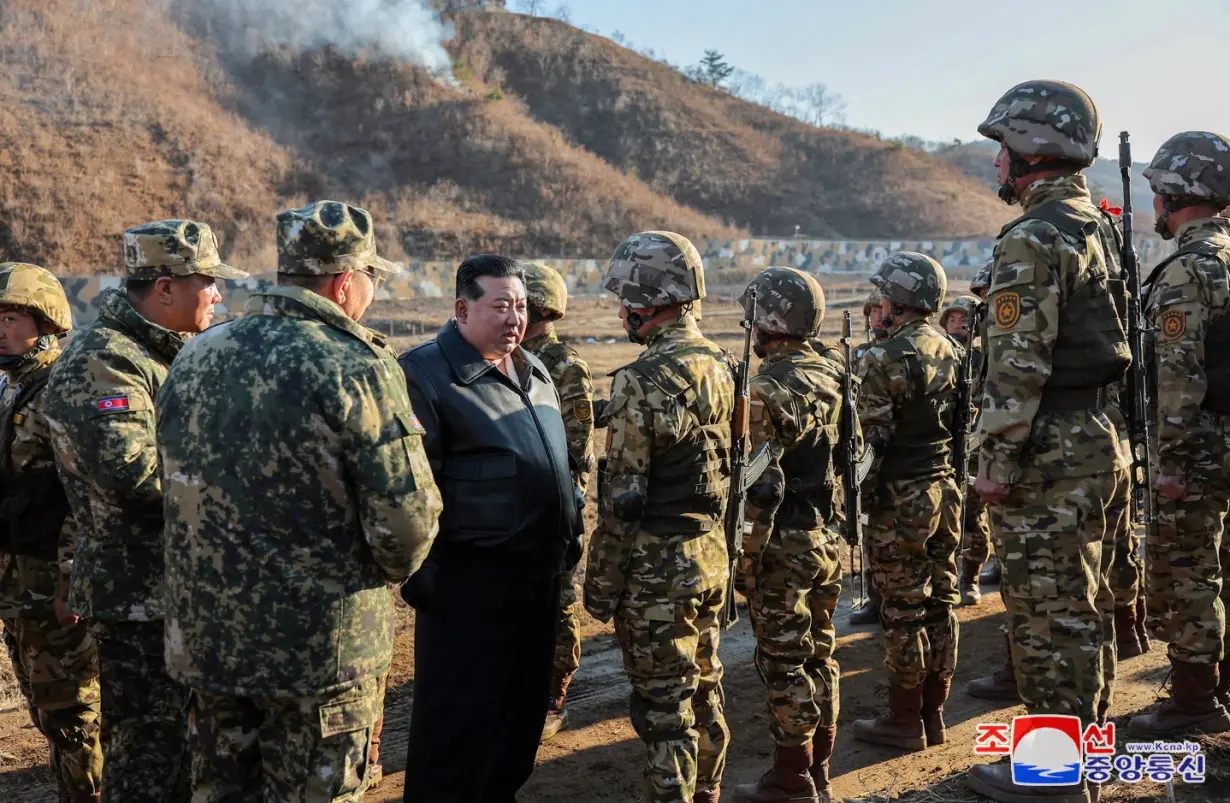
point(821, 751)
point(936, 689)
point(901, 726)
point(1192, 706)
point(991, 572)
point(971, 594)
point(1000, 685)
point(557, 712)
point(869, 613)
point(375, 770)
point(995, 781)
point(1127, 643)
point(788, 779)
point(1142, 621)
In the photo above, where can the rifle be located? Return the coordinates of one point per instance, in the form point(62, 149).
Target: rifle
point(740, 466)
point(850, 479)
point(1137, 407)
point(962, 419)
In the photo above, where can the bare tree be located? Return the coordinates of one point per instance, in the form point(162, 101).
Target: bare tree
point(618, 37)
point(563, 13)
point(532, 7)
point(815, 104)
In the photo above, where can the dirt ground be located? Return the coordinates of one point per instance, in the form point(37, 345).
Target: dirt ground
point(598, 758)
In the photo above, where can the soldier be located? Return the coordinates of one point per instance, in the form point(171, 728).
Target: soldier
point(979, 285)
point(306, 485)
point(53, 653)
point(1052, 466)
point(1188, 304)
point(873, 318)
point(792, 562)
point(906, 408)
point(100, 410)
point(657, 561)
point(955, 320)
point(547, 298)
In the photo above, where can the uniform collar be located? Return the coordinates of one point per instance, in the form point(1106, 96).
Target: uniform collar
point(289, 301)
point(536, 344)
point(115, 307)
point(468, 365)
point(1202, 229)
point(682, 328)
point(1055, 188)
point(908, 326)
point(787, 349)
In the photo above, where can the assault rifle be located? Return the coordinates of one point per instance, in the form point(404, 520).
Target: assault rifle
point(851, 476)
point(962, 419)
point(1137, 406)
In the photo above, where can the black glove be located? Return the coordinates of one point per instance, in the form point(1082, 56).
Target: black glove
point(419, 591)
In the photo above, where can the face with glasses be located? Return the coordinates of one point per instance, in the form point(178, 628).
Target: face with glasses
point(18, 332)
point(354, 290)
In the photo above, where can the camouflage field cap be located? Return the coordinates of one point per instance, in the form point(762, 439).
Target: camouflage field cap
point(546, 289)
point(912, 280)
point(788, 302)
point(36, 291)
point(966, 304)
point(1046, 118)
point(656, 269)
point(328, 237)
point(1192, 164)
point(981, 281)
point(873, 300)
point(175, 248)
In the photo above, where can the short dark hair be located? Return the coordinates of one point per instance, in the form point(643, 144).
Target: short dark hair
point(479, 265)
point(315, 283)
point(139, 288)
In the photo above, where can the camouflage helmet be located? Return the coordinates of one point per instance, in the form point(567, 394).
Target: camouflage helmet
point(872, 301)
point(656, 269)
point(912, 280)
point(36, 291)
point(788, 302)
point(966, 304)
point(546, 290)
point(1046, 118)
point(328, 237)
point(174, 248)
point(1192, 164)
point(982, 278)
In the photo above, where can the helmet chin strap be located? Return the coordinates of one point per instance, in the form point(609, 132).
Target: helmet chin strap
point(635, 322)
point(10, 362)
point(760, 344)
point(1170, 205)
point(894, 311)
point(1017, 168)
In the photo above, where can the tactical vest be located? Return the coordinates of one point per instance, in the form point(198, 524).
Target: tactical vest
point(689, 482)
point(33, 505)
point(1091, 349)
point(811, 480)
point(922, 438)
point(1216, 340)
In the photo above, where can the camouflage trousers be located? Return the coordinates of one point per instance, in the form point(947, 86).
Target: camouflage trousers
point(57, 670)
point(568, 634)
point(283, 749)
point(1187, 588)
point(1056, 541)
point(912, 533)
point(144, 716)
point(1126, 568)
point(670, 649)
point(977, 545)
point(791, 597)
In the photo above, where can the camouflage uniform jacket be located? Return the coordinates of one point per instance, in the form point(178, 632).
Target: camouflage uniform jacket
point(795, 403)
point(1040, 268)
point(31, 451)
point(890, 381)
point(100, 410)
point(305, 484)
point(643, 424)
point(1190, 293)
point(570, 373)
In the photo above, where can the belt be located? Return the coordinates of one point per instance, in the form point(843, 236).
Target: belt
point(1060, 399)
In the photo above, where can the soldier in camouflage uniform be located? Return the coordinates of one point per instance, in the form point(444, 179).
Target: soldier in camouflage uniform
point(306, 485)
point(873, 319)
point(657, 561)
point(1053, 465)
point(955, 320)
point(906, 407)
point(100, 412)
point(792, 562)
point(547, 299)
point(54, 655)
point(1188, 304)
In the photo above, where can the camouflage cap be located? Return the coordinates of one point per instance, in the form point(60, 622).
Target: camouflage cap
point(546, 289)
point(872, 301)
point(656, 269)
point(912, 280)
point(1046, 118)
point(35, 290)
point(788, 302)
point(966, 304)
point(1192, 164)
point(328, 237)
point(981, 281)
point(175, 248)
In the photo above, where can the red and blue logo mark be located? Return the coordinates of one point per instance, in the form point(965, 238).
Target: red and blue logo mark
point(1046, 750)
point(112, 404)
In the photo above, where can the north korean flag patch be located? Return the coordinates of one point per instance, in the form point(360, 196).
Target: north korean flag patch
point(112, 404)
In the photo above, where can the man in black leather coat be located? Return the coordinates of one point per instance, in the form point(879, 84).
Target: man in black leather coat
point(487, 597)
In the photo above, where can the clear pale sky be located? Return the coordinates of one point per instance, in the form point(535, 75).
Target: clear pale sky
point(935, 67)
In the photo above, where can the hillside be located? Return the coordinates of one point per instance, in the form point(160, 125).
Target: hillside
point(552, 142)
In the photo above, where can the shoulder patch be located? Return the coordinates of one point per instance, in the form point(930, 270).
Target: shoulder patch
point(1173, 324)
point(1007, 310)
point(112, 404)
point(583, 410)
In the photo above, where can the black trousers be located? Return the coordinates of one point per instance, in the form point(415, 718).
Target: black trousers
point(484, 646)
